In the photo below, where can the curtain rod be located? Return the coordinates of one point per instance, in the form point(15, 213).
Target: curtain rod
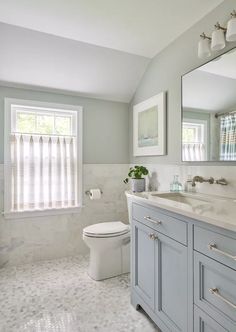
point(225, 113)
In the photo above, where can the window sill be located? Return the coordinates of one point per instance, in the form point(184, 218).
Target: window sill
point(42, 213)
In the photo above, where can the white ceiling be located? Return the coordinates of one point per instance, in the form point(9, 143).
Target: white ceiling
point(134, 26)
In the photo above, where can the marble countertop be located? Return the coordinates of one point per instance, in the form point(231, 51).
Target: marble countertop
point(215, 210)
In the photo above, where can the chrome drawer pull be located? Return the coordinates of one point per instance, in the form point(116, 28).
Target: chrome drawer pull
point(152, 236)
point(215, 291)
point(158, 222)
point(213, 247)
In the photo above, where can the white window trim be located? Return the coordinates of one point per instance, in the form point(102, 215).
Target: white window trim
point(205, 126)
point(50, 111)
point(8, 102)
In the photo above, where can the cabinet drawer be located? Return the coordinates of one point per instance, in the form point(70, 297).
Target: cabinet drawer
point(172, 227)
point(220, 247)
point(215, 290)
point(204, 323)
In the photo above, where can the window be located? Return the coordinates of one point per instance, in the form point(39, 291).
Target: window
point(42, 157)
point(194, 145)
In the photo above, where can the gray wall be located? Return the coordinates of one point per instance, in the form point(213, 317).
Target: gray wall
point(105, 130)
point(164, 74)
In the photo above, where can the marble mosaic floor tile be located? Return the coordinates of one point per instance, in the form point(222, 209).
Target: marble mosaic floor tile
point(58, 296)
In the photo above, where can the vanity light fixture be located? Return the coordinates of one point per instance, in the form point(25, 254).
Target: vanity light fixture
point(204, 46)
point(219, 35)
point(231, 28)
point(218, 38)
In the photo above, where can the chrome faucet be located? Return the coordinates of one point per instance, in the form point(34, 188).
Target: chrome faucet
point(211, 180)
point(200, 179)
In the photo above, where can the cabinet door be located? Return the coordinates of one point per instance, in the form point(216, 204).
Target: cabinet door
point(171, 283)
point(204, 323)
point(143, 262)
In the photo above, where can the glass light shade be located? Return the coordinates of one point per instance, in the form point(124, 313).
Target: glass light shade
point(231, 30)
point(217, 40)
point(204, 48)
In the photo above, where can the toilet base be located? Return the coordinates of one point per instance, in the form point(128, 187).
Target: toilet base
point(109, 263)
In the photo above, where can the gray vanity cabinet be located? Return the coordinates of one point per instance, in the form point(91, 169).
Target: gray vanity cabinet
point(160, 275)
point(183, 271)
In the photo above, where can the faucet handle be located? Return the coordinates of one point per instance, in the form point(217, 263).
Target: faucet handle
point(211, 180)
point(222, 181)
point(201, 179)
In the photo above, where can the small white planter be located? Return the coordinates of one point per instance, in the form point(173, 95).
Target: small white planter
point(137, 185)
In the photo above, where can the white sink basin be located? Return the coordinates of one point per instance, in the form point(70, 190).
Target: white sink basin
point(185, 198)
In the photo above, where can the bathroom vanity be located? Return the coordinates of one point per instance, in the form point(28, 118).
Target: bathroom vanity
point(184, 260)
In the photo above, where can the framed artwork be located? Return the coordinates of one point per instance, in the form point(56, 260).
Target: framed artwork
point(149, 126)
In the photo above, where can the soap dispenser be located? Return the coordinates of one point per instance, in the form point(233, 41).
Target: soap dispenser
point(175, 185)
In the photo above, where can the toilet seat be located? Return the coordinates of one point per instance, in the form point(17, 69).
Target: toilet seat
point(106, 229)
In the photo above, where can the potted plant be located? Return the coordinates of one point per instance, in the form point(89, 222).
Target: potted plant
point(137, 181)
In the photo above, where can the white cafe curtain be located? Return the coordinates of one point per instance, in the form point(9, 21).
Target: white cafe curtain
point(44, 172)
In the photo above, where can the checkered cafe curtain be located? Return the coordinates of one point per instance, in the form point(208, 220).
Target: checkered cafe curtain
point(228, 137)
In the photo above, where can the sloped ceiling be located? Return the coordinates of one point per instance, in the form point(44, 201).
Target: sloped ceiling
point(95, 48)
point(133, 26)
point(208, 92)
point(34, 58)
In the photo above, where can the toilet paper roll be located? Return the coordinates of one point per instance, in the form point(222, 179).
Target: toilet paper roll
point(95, 194)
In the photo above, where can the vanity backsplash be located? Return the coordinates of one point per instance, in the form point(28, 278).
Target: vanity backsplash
point(161, 175)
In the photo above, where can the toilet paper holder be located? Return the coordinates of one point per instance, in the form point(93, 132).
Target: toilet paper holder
point(87, 192)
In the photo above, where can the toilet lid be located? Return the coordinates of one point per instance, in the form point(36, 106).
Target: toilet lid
point(106, 229)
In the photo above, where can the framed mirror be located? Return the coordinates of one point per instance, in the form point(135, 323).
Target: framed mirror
point(209, 111)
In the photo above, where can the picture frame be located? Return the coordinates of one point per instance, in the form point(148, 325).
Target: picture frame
point(149, 126)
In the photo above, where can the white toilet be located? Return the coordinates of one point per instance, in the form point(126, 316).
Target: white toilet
point(109, 244)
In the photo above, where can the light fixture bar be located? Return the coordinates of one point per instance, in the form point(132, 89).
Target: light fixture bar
point(204, 36)
point(233, 14)
point(219, 27)
point(218, 39)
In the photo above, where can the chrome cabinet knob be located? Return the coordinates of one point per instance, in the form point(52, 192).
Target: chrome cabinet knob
point(152, 236)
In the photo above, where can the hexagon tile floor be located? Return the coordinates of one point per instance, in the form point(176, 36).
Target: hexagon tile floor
point(58, 296)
